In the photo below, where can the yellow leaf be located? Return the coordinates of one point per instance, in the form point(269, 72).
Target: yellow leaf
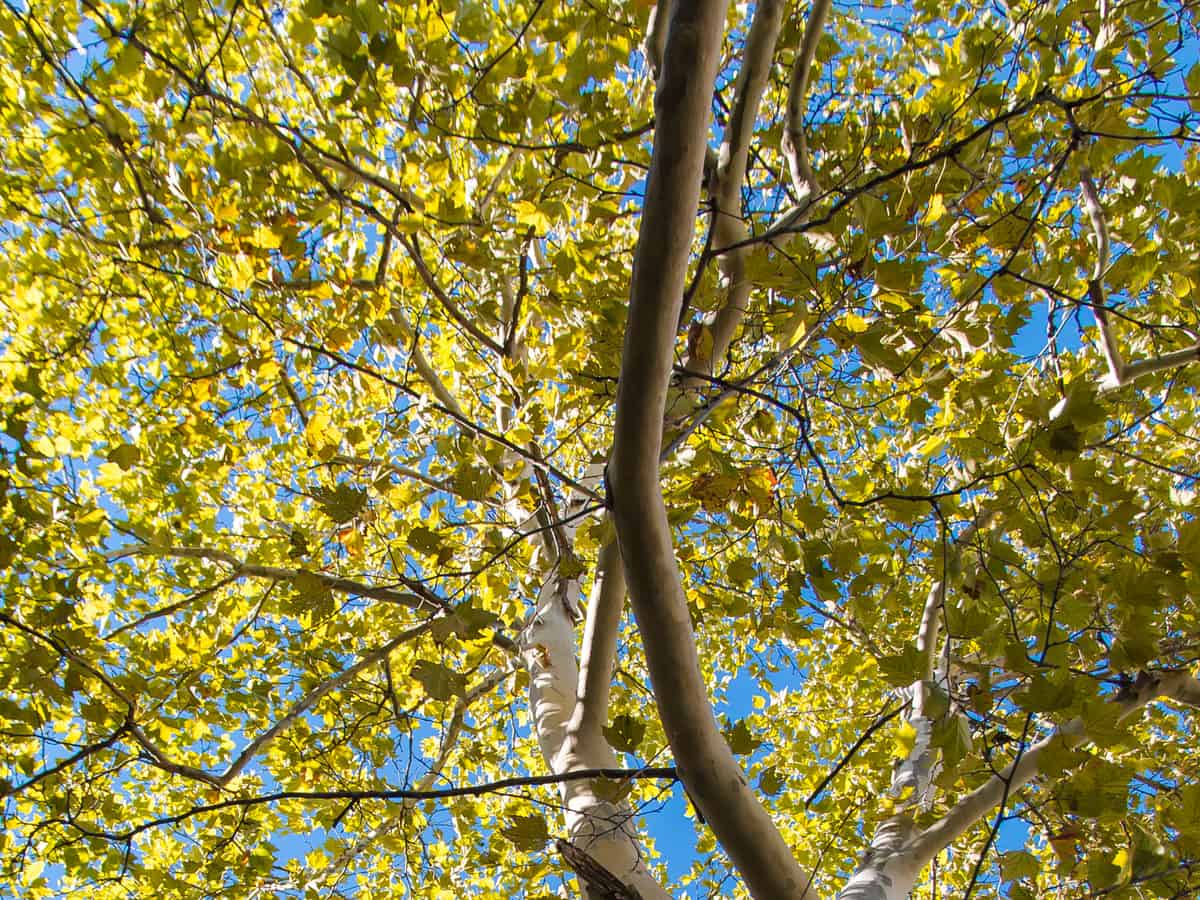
point(935, 210)
point(700, 344)
point(339, 339)
point(321, 435)
point(931, 446)
point(44, 446)
point(793, 329)
point(409, 224)
point(242, 275)
point(352, 540)
point(529, 214)
point(226, 212)
point(906, 739)
point(855, 324)
point(267, 238)
point(109, 475)
point(438, 26)
point(268, 369)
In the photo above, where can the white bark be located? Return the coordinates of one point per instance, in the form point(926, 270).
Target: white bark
point(889, 872)
point(567, 711)
point(569, 708)
point(729, 227)
point(1120, 372)
point(884, 873)
point(795, 144)
point(600, 827)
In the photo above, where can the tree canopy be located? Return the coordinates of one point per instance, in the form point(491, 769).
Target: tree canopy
point(358, 359)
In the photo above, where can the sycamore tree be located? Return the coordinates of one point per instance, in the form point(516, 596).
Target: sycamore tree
point(360, 360)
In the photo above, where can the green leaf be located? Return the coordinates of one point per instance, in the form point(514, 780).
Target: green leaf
point(439, 682)
point(903, 668)
point(423, 540)
point(125, 455)
point(741, 570)
point(1047, 693)
point(611, 790)
point(312, 588)
point(624, 734)
point(740, 739)
point(527, 833)
point(770, 782)
point(342, 503)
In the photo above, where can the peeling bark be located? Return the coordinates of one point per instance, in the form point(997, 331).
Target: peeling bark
point(597, 825)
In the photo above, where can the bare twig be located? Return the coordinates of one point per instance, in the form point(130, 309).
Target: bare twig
point(475, 790)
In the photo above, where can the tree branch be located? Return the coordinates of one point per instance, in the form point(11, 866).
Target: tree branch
point(385, 466)
point(1120, 372)
point(424, 369)
point(475, 790)
point(598, 654)
point(656, 36)
point(305, 703)
point(600, 883)
point(706, 765)
point(729, 224)
point(414, 253)
point(447, 743)
point(160, 759)
point(1179, 686)
point(795, 144)
point(421, 598)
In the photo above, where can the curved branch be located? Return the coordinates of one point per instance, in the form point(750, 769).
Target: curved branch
point(729, 224)
point(421, 597)
point(712, 776)
point(795, 144)
point(598, 655)
point(1179, 686)
point(414, 253)
point(159, 759)
point(656, 36)
point(447, 743)
point(1120, 372)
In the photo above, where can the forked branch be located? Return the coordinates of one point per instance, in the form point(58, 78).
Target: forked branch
point(1178, 686)
point(1120, 372)
point(729, 224)
point(712, 776)
point(795, 143)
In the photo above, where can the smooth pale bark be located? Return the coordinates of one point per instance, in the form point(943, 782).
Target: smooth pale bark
point(708, 769)
point(598, 655)
point(729, 228)
point(892, 874)
point(597, 825)
point(885, 870)
point(795, 145)
point(1120, 372)
point(569, 706)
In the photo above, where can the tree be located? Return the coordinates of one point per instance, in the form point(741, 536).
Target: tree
point(345, 344)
